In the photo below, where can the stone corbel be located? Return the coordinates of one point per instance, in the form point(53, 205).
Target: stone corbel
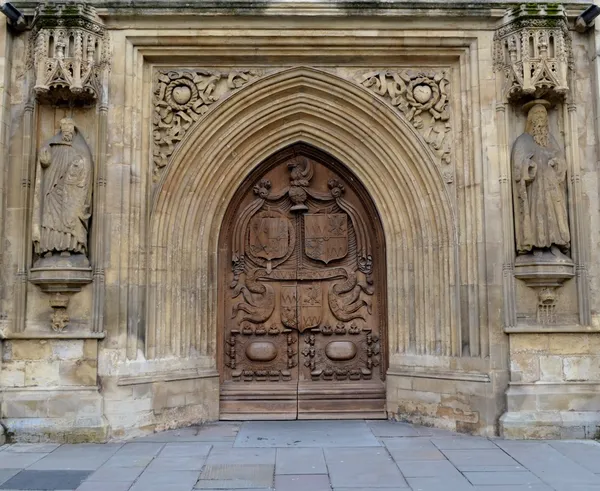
point(532, 49)
point(70, 53)
point(542, 272)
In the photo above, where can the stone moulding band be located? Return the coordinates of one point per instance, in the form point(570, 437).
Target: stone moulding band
point(171, 376)
point(441, 374)
point(52, 335)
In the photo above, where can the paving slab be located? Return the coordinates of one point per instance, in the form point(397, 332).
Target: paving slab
point(19, 460)
point(440, 484)
point(302, 482)
point(428, 468)
point(241, 456)
point(389, 429)
point(166, 481)
point(83, 457)
point(362, 468)
point(46, 480)
point(32, 447)
point(584, 453)
point(177, 464)
point(461, 458)
point(300, 461)
point(236, 476)
point(185, 449)
point(6, 474)
point(306, 434)
point(550, 465)
point(502, 478)
point(101, 486)
point(116, 474)
point(464, 443)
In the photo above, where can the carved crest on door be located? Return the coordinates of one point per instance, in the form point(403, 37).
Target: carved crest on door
point(326, 236)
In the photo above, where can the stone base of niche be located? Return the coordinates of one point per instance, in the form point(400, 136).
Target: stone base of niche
point(50, 388)
point(555, 385)
point(61, 415)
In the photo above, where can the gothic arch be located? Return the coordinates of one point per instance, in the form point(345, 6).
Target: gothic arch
point(344, 120)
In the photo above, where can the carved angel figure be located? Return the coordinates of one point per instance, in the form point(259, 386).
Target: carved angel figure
point(63, 194)
point(539, 172)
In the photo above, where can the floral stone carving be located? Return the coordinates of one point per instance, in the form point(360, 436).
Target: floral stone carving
point(61, 214)
point(182, 97)
point(533, 50)
point(71, 53)
point(540, 201)
point(422, 97)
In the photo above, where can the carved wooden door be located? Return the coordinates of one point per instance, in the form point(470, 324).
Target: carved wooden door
point(302, 308)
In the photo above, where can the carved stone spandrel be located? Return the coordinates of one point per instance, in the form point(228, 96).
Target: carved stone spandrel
point(181, 98)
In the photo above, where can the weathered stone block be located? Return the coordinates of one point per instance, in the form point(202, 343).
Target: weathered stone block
point(79, 372)
point(68, 349)
point(31, 349)
point(551, 368)
point(582, 368)
point(42, 373)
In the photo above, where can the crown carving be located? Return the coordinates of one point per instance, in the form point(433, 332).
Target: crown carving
point(533, 50)
point(71, 53)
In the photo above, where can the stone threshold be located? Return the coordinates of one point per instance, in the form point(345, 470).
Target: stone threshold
point(52, 335)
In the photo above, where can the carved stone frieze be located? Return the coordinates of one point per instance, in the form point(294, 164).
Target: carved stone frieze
point(423, 98)
point(70, 53)
point(533, 51)
point(181, 98)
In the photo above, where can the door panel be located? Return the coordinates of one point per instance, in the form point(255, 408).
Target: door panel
point(302, 312)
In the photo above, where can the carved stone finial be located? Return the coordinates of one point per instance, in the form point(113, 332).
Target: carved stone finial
point(533, 50)
point(71, 53)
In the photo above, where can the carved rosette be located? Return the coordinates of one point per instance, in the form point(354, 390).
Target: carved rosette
point(423, 98)
point(70, 53)
point(533, 51)
point(181, 98)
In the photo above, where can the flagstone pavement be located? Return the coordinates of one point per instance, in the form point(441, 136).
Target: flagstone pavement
point(304, 456)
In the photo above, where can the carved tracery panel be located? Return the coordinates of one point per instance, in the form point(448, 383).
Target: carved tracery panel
point(304, 307)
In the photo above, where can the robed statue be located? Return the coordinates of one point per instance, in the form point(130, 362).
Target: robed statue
point(539, 173)
point(63, 194)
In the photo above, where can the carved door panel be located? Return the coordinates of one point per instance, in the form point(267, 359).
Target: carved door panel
point(302, 310)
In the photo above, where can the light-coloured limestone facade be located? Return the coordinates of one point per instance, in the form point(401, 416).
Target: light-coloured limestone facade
point(113, 329)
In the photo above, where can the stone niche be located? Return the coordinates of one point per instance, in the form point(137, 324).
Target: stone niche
point(50, 353)
point(553, 347)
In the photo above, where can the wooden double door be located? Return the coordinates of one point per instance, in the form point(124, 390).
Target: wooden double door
point(302, 295)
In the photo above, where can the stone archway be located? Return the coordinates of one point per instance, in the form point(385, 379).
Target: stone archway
point(346, 121)
point(302, 317)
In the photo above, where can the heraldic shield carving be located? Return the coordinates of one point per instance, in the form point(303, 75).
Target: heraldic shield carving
point(303, 311)
point(326, 236)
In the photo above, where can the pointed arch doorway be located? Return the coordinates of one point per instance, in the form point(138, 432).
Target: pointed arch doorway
point(302, 314)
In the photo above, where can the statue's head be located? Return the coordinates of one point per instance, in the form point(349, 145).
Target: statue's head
point(537, 124)
point(67, 128)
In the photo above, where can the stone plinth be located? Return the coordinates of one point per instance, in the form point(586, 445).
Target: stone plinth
point(50, 390)
point(555, 386)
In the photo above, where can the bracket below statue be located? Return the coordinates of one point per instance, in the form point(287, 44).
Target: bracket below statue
point(61, 275)
point(544, 268)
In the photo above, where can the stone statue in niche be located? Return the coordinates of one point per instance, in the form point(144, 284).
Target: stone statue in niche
point(61, 216)
point(541, 220)
point(63, 196)
point(539, 173)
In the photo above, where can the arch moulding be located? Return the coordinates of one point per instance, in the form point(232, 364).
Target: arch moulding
point(356, 128)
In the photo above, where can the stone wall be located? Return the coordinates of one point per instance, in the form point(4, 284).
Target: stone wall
point(140, 349)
